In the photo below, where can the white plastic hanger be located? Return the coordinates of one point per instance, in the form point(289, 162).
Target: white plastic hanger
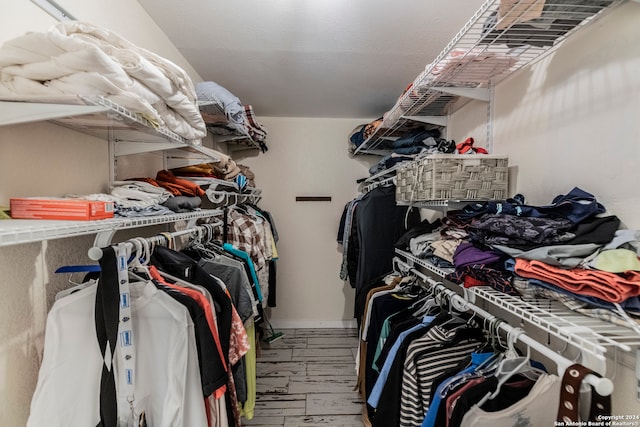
point(74, 289)
point(511, 365)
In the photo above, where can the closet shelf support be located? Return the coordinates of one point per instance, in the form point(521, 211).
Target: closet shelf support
point(125, 148)
point(432, 120)
point(102, 240)
point(477, 93)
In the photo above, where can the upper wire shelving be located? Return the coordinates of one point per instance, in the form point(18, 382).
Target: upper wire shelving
point(492, 45)
point(130, 133)
point(94, 115)
point(19, 231)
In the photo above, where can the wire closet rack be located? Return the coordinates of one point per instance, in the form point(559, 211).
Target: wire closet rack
point(498, 40)
point(593, 338)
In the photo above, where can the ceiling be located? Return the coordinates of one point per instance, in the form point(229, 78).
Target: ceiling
point(311, 58)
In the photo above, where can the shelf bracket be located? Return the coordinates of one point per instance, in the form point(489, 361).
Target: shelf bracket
point(192, 223)
point(14, 112)
point(103, 238)
point(123, 148)
point(433, 120)
point(373, 152)
point(477, 93)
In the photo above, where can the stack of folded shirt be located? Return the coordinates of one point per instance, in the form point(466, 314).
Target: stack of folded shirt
point(611, 287)
point(134, 199)
point(186, 195)
point(176, 186)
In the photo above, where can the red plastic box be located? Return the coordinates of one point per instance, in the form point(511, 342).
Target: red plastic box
point(59, 208)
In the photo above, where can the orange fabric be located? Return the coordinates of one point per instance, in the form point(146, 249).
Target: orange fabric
point(607, 286)
point(204, 168)
point(186, 187)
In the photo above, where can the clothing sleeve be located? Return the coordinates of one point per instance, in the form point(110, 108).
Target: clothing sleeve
point(343, 221)
point(192, 411)
point(68, 388)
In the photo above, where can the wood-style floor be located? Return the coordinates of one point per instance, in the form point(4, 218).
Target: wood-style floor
point(307, 378)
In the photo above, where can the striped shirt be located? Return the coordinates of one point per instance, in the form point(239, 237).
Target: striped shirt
point(428, 357)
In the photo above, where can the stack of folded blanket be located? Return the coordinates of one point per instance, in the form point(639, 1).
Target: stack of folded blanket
point(78, 58)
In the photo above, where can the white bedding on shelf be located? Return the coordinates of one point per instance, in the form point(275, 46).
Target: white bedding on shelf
point(84, 59)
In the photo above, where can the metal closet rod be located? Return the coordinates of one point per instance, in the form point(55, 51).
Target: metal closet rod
point(603, 386)
point(95, 253)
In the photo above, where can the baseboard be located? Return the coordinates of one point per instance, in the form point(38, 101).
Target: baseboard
point(313, 324)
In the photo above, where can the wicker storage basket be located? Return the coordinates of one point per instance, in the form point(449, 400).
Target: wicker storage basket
point(453, 177)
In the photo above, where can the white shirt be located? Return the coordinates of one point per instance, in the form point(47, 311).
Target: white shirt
point(538, 408)
point(167, 376)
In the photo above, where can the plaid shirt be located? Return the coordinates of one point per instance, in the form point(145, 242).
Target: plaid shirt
point(248, 234)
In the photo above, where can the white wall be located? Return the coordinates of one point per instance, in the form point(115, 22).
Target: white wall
point(308, 157)
point(573, 119)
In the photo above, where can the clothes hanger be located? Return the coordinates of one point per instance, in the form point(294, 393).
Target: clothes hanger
point(180, 281)
point(198, 245)
point(77, 287)
point(481, 370)
point(510, 366)
point(423, 306)
point(494, 343)
point(141, 254)
point(487, 366)
point(455, 319)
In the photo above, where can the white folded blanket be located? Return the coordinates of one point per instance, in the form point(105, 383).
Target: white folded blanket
point(83, 59)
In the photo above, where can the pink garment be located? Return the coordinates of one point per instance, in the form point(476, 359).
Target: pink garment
point(453, 398)
point(239, 340)
point(607, 286)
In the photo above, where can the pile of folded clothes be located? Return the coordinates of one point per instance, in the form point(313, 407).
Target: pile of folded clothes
point(569, 250)
point(226, 169)
point(140, 197)
point(237, 119)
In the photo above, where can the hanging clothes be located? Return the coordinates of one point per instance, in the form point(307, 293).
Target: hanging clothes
point(185, 268)
point(533, 409)
point(167, 383)
point(246, 229)
point(372, 225)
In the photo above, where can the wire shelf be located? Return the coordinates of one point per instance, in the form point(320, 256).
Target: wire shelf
point(19, 231)
point(589, 334)
point(132, 120)
point(492, 45)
